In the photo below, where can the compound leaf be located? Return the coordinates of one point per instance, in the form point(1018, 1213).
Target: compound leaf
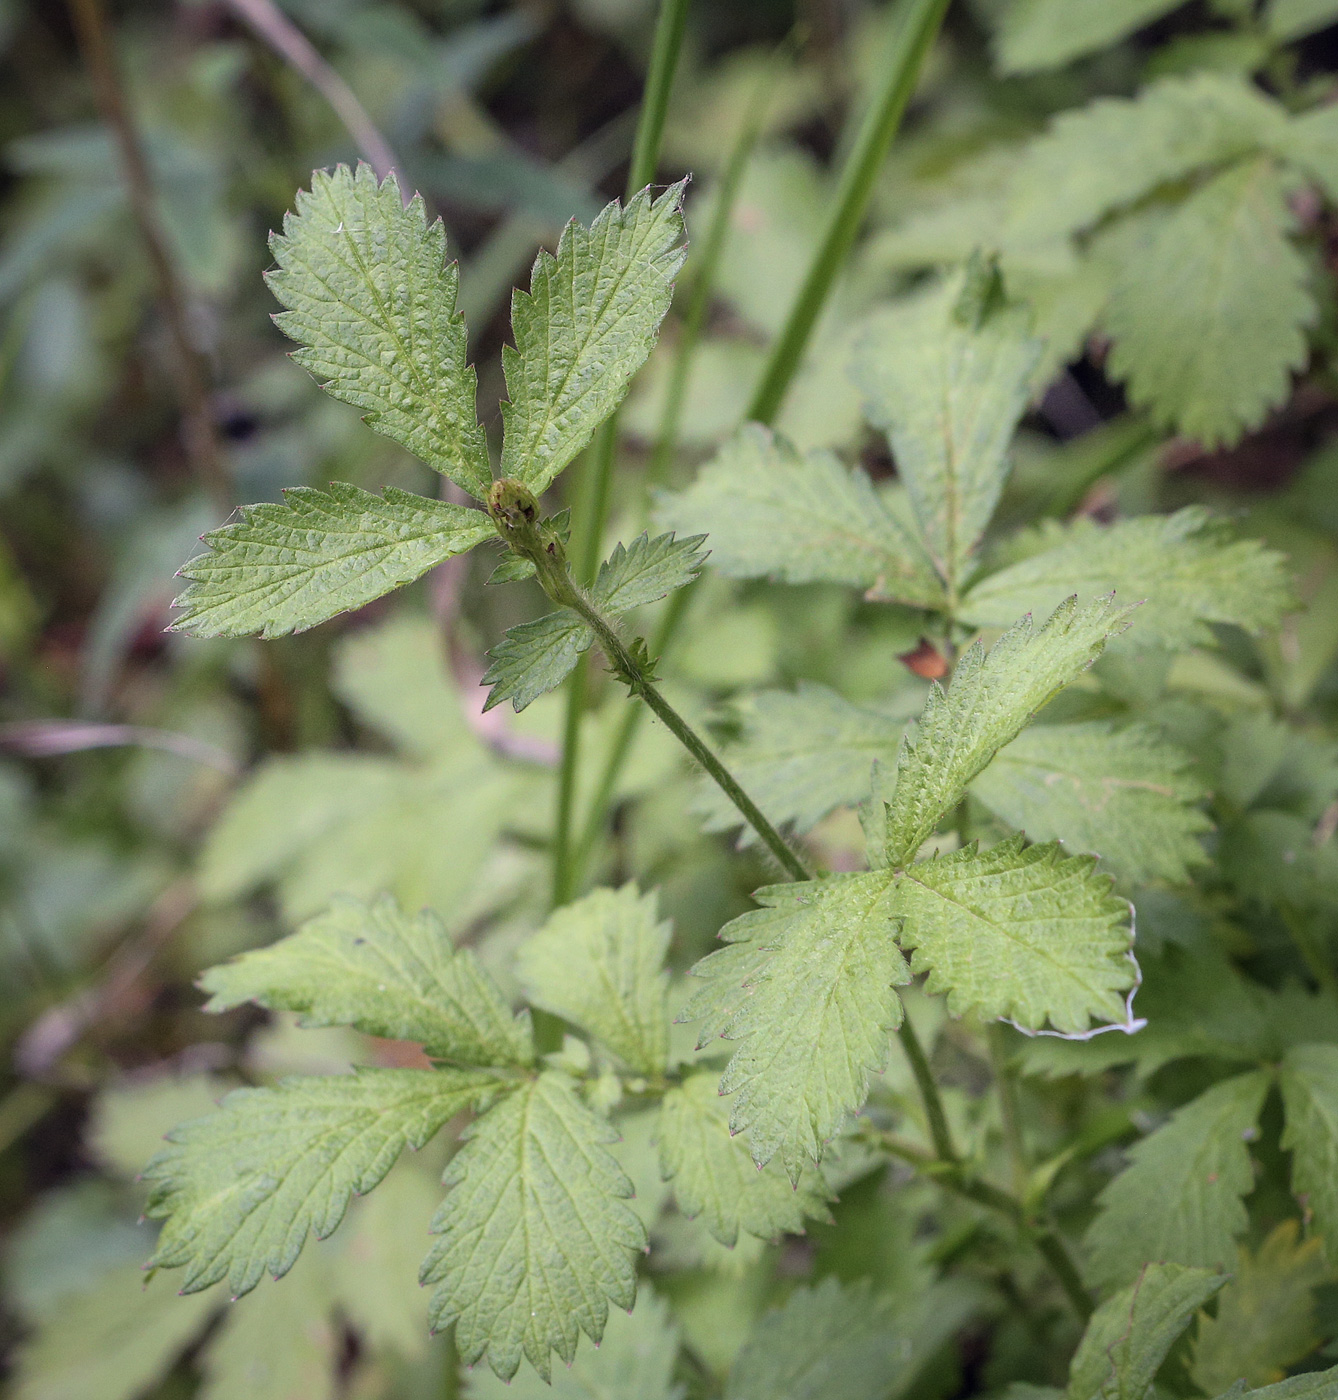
point(583, 330)
point(1130, 1334)
point(1122, 795)
point(993, 695)
point(1026, 934)
point(536, 1234)
point(240, 1188)
point(372, 302)
point(534, 658)
point(1179, 1199)
point(808, 986)
point(1208, 320)
point(372, 966)
point(949, 395)
point(1310, 1097)
point(770, 512)
point(715, 1177)
point(285, 566)
point(1186, 568)
point(599, 963)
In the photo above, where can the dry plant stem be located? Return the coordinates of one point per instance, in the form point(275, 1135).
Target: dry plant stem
point(287, 40)
point(199, 436)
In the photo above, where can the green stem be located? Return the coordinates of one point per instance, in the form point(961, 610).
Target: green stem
point(665, 49)
point(915, 35)
point(929, 1094)
point(1006, 1084)
point(566, 871)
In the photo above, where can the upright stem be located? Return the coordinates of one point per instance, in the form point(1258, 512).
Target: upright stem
point(1006, 1084)
point(187, 368)
point(598, 486)
point(915, 35)
point(929, 1094)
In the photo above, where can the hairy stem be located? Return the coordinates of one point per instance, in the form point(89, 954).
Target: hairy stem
point(929, 1094)
point(919, 24)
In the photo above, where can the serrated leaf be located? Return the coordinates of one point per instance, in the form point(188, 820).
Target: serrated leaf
point(589, 321)
point(808, 985)
point(769, 512)
point(1185, 568)
point(284, 567)
point(715, 1177)
point(1208, 319)
point(1310, 1095)
point(993, 696)
point(534, 658)
point(838, 1342)
point(1266, 1318)
point(599, 963)
point(371, 966)
point(949, 396)
point(1122, 795)
point(1025, 934)
point(240, 1189)
point(372, 301)
point(804, 752)
point(537, 1236)
point(635, 1361)
point(1179, 1199)
point(647, 570)
point(1130, 1334)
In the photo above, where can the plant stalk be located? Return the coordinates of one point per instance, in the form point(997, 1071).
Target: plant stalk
point(1006, 1084)
point(929, 1094)
point(915, 36)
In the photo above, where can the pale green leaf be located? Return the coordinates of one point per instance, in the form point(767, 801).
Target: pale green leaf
point(287, 566)
point(993, 696)
point(838, 1342)
point(387, 973)
point(599, 963)
point(1310, 142)
point(646, 571)
point(1208, 318)
point(949, 396)
point(1179, 1199)
point(1121, 794)
point(1310, 1096)
point(1130, 1334)
point(804, 752)
point(537, 1235)
point(240, 1188)
point(1025, 934)
point(371, 299)
point(1266, 1319)
point(1037, 34)
point(112, 1341)
point(1185, 570)
point(635, 1361)
point(1309, 1385)
point(714, 1176)
point(769, 512)
point(535, 657)
point(1286, 20)
point(586, 326)
point(808, 986)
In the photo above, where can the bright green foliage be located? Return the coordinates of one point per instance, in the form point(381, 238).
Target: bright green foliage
point(1121, 794)
point(1310, 1095)
point(599, 963)
point(376, 968)
point(1037, 34)
point(714, 1176)
point(771, 513)
point(588, 323)
point(1184, 569)
point(807, 985)
point(1022, 933)
point(1130, 1334)
point(993, 696)
point(537, 1236)
point(635, 1361)
point(1265, 1317)
point(1180, 1197)
point(372, 302)
point(949, 394)
point(805, 751)
point(1208, 316)
point(845, 1343)
point(648, 570)
point(286, 567)
point(240, 1189)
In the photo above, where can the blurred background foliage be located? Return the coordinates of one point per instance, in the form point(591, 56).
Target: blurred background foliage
point(165, 803)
